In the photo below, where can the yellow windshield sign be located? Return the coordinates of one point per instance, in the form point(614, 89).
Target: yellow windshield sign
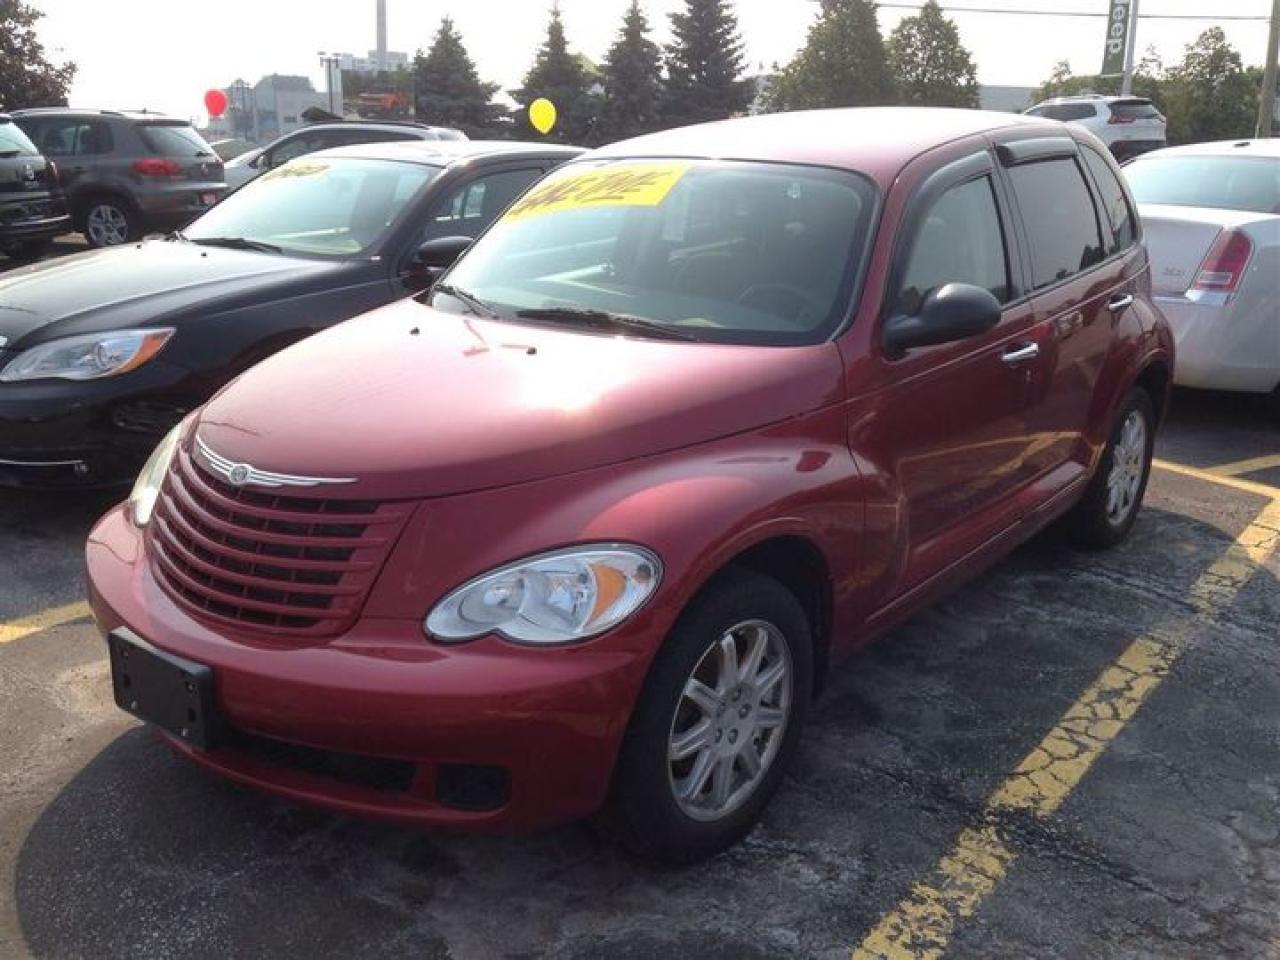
point(633, 185)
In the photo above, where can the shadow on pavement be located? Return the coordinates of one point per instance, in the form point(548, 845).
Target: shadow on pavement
point(142, 854)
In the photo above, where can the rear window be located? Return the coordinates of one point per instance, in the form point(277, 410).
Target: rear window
point(13, 142)
point(1135, 110)
point(1065, 111)
point(1061, 221)
point(174, 140)
point(1119, 216)
point(1223, 183)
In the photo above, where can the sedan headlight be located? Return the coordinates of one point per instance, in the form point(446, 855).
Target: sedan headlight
point(146, 490)
point(558, 597)
point(88, 357)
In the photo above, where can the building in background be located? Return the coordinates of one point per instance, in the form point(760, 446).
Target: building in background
point(268, 109)
point(395, 60)
point(1005, 99)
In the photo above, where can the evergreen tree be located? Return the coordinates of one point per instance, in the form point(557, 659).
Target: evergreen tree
point(842, 63)
point(704, 65)
point(566, 80)
point(632, 77)
point(932, 67)
point(27, 78)
point(450, 92)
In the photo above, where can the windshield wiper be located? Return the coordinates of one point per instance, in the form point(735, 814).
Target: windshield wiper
point(604, 320)
point(474, 303)
point(238, 243)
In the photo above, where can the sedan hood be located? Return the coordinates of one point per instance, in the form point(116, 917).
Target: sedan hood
point(123, 287)
point(411, 402)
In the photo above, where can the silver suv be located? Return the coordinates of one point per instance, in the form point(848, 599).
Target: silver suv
point(1129, 126)
point(126, 174)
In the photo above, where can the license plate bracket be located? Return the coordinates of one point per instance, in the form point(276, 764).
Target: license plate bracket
point(171, 692)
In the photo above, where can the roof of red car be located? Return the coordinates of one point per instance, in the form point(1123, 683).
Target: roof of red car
point(878, 141)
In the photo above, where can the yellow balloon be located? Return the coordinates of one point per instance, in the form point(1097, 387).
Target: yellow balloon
point(542, 114)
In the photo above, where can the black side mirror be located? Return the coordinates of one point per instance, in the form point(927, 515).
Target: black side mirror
point(955, 311)
point(436, 256)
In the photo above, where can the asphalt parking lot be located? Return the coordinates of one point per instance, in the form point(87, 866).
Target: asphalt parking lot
point(1077, 755)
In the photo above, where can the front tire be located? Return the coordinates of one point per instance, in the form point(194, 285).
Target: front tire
point(717, 723)
point(1111, 504)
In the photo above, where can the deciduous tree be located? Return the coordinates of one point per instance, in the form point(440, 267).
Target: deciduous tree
point(27, 78)
point(1209, 95)
point(930, 64)
point(842, 63)
point(449, 89)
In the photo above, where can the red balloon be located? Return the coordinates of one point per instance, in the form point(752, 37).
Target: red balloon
point(215, 101)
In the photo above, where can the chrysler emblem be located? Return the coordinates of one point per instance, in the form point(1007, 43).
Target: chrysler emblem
point(242, 474)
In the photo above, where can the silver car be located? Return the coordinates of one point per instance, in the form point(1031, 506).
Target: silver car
point(126, 174)
point(1211, 215)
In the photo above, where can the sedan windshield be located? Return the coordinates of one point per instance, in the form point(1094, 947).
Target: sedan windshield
point(729, 252)
point(1222, 183)
point(322, 206)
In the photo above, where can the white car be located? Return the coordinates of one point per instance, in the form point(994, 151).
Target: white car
point(1211, 215)
point(1129, 126)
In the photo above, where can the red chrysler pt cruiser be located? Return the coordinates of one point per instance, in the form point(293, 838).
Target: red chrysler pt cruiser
point(583, 527)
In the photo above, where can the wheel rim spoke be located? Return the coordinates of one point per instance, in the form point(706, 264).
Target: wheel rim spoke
point(696, 738)
point(702, 696)
point(769, 718)
point(722, 781)
point(697, 778)
point(769, 678)
point(728, 662)
point(755, 654)
point(750, 759)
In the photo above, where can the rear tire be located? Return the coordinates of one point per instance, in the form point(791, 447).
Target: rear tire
point(1106, 514)
point(109, 221)
point(713, 731)
point(28, 250)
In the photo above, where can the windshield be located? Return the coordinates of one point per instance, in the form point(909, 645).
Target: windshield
point(14, 141)
point(730, 252)
point(1222, 183)
point(335, 206)
point(174, 140)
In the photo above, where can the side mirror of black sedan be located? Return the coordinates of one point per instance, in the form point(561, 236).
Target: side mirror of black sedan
point(955, 311)
point(435, 256)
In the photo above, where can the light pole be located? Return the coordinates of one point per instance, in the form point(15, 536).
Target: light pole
point(1126, 83)
point(1267, 102)
point(330, 62)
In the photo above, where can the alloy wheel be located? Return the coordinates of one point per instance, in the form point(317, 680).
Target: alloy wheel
point(730, 720)
point(1128, 468)
point(107, 225)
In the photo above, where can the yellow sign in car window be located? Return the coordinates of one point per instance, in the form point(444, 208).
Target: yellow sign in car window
point(632, 185)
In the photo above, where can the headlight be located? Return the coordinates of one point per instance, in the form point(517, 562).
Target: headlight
point(88, 357)
point(146, 490)
point(556, 597)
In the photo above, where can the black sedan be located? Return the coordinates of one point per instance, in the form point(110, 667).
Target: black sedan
point(101, 353)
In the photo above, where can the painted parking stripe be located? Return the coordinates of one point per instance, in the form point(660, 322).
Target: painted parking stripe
point(920, 927)
point(44, 620)
point(1244, 486)
point(1252, 465)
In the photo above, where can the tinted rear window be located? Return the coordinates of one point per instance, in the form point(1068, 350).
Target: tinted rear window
point(1062, 224)
point(1135, 110)
point(14, 141)
point(174, 140)
point(1120, 217)
point(1222, 183)
point(1065, 111)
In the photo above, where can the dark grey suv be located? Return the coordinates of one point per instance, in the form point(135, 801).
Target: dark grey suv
point(126, 174)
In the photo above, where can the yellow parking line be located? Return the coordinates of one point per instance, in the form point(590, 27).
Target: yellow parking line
point(920, 927)
point(1244, 486)
point(1252, 465)
point(44, 620)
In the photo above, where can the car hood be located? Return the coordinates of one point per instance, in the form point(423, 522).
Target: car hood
point(409, 402)
point(122, 287)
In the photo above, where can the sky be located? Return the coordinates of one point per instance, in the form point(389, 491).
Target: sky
point(163, 54)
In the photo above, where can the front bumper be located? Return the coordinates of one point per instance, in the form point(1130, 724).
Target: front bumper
point(545, 725)
point(32, 219)
point(57, 434)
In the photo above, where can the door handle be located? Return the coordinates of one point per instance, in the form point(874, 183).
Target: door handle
point(1116, 304)
point(1018, 354)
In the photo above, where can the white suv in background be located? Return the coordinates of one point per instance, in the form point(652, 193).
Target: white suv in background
point(1127, 125)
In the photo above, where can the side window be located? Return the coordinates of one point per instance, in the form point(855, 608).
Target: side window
point(1120, 217)
point(960, 241)
point(475, 204)
point(58, 138)
point(1061, 220)
point(290, 149)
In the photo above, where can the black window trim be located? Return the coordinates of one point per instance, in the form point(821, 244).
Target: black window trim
point(957, 173)
point(1035, 154)
point(1134, 221)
